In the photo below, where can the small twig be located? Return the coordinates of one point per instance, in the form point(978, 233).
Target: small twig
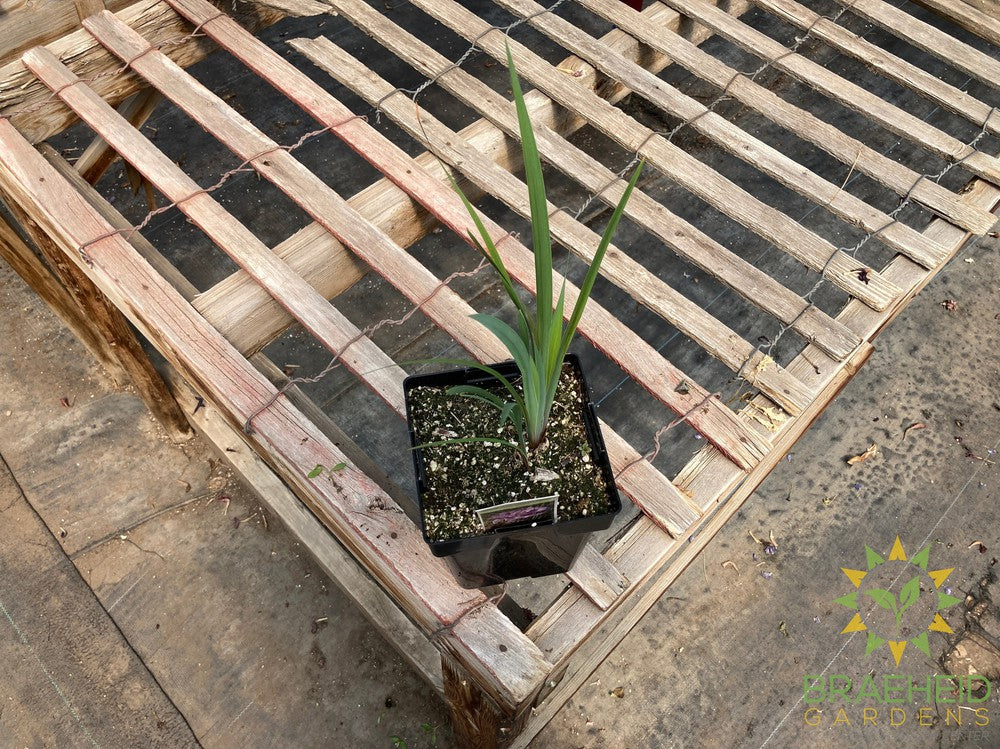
point(125, 538)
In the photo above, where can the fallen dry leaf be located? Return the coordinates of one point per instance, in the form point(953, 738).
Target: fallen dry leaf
point(871, 452)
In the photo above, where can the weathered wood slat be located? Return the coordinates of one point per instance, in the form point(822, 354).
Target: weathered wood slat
point(848, 150)
point(920, 34)
point(977, 16)
point(889, 65)
point(250, 319)
point(879, 110)
point(597, 578)
point(329, 326)
point(658, 497)
point(734, 139)
point(716, 338)
point(598, 325)
point(385, 540)
point(110, 214)
point(24, 25)
point(98, 156)
point(791, 237)
point(689, 242)
point(39, 115)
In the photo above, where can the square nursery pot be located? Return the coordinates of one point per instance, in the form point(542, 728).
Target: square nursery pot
point(517, 537)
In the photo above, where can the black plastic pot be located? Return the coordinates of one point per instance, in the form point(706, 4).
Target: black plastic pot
point(532, 548)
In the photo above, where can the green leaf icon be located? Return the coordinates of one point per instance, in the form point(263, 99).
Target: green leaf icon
point(883, 598)
point(909, 594)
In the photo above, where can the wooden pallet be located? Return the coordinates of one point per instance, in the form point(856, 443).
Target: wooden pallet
point(502, 684)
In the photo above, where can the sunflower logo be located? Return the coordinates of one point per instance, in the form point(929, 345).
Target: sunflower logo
point(906, 619)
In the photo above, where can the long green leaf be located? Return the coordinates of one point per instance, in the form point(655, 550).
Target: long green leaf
point(588, 282)
point(507, 411)
point(478, 393)
point(553, 363)
point(539, 209)
point(505, 408)
point(532, 392)
point(492, 254)
point(472, 364)
point(508, 337)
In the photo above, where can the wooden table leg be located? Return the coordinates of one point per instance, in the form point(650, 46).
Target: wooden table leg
point(99, 324)
point(33, 272)
point(478, 721)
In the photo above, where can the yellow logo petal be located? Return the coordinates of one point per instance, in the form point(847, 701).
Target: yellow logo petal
point(897, 649)
point(855, 625)
point(897, 552)
point(939, 576)
point(855, 576)
point(940, 625)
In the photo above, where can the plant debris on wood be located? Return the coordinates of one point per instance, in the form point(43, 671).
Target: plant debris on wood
point(463, 477)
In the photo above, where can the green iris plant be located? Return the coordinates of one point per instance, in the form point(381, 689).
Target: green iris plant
point(541, 340)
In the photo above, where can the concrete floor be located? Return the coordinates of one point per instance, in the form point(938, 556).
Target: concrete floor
point(148, 598)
